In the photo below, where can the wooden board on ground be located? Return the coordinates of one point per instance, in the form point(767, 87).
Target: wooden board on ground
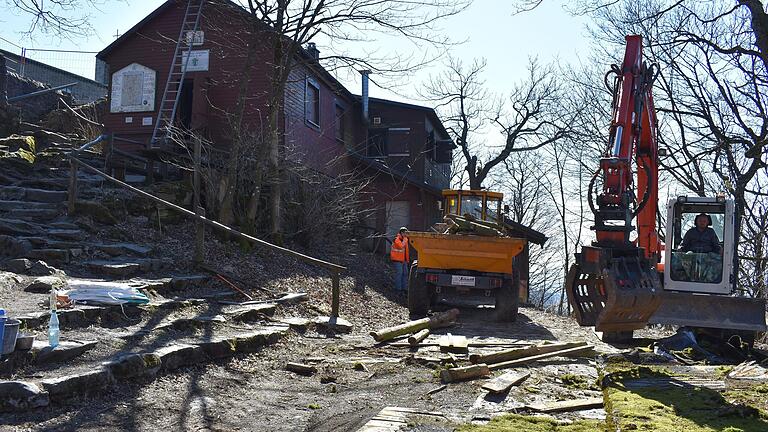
point(392, 419)
point(502, 383)
point(531, 359)
point(454, 344)
point(569, 405)
point(516, 353)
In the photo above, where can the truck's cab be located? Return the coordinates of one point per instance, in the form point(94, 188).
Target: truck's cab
point(480, 204)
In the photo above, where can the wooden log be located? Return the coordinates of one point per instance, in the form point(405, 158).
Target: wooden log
point(470, 344)
point(516, 353)
point(417, 337)
point(502, 383)
point(531, 359)
point(465, 373)
point(300, 368)
point(438, 320)
point(569, 405)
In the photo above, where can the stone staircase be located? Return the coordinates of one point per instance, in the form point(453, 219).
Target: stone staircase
point(104, 345)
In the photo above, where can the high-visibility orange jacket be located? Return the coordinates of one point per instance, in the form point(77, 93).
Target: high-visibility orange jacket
point(399, 252)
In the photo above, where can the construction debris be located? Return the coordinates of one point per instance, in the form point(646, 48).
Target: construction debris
point(531, 359)
point(465, 373)
point(454, 344)
point(569, 405)
point(438, 320)
point(517, 353)
point(503, 383)
point(300, 368)
point(416, 338)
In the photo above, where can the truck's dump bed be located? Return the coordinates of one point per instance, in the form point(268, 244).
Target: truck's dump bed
point(466, 252)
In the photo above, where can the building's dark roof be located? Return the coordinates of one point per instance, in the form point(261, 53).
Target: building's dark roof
point(529, 233)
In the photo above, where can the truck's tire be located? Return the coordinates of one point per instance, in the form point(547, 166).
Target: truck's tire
point(418, 293)
point(507, 301)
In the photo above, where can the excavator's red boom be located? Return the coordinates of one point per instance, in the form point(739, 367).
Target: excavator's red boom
point(613, 284)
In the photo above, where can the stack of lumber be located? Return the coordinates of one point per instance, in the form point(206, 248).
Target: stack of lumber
point(471, 226)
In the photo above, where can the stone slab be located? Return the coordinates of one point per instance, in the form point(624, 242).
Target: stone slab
point(88, 382)
point(21, 396)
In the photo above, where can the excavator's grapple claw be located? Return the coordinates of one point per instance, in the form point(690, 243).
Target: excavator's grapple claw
point(621, 294)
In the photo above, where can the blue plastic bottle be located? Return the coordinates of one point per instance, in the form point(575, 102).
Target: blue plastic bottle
point(2, 329)
point(53, 324)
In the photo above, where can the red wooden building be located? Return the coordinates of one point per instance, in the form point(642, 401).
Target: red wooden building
point(404, 149)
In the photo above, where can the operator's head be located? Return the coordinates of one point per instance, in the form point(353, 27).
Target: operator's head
point(403, 231)
point(703, 220)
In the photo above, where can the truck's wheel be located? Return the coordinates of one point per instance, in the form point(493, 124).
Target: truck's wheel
point(418, 293)
point(507, 299)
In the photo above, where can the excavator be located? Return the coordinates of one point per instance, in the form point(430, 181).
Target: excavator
point(620, 284)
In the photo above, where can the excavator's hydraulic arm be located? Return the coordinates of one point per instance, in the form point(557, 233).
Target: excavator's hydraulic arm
point(613, 284)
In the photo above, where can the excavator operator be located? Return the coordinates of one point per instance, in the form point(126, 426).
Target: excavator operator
point(701, 238)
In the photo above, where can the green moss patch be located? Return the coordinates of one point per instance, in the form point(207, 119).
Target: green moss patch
point(676, 406)
point(515, 422)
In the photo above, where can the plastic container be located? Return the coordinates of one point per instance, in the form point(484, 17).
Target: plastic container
point(53, 330)
point(2, 329)
point(10, 332)
point(24, 342)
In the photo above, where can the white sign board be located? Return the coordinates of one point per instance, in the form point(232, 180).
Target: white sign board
point(198, 60)
point(195, 37)
point(463, 280)
point(133, 89)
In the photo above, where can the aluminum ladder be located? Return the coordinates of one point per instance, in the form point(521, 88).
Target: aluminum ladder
point(176, 74)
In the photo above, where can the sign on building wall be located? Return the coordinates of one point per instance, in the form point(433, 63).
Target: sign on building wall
point(133, 89)
point(198, 60)
point(195, 37)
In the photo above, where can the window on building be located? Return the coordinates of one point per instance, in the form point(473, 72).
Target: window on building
point(398, 141)
point(312, 102)
point(340, 124)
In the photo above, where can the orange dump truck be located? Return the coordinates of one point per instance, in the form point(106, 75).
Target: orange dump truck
point(463, 263)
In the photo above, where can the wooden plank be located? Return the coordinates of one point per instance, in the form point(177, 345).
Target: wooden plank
point(502, 383)
point(300, 368)
point(516, 353)
point(454, 344)
point(531, 359)
point(471, 344)
point(569, 405)
point(464, 373)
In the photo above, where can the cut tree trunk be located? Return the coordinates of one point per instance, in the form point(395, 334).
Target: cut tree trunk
point(436, 321)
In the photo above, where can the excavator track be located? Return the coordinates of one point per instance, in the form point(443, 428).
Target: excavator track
point(622, 297)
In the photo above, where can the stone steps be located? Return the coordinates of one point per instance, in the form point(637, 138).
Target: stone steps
point(17, 193)
point(126, 267)
point(26, 395)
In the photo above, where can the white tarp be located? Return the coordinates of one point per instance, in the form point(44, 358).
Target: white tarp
point(103, 292)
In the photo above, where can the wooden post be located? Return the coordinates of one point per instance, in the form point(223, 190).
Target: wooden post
point(72, 189)
point(199, 227)
point(108, 149)
point(335, 294)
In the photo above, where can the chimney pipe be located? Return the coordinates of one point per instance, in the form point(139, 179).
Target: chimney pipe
point(313, 51)
point(365, 74)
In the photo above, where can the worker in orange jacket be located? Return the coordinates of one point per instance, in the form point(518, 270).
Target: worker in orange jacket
point(400, 256)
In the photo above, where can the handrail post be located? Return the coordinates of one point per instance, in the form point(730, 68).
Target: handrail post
point(335, 294)
point(199, 227)
point(72, 189)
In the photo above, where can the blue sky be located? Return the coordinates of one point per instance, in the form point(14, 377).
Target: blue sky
point(489, 27)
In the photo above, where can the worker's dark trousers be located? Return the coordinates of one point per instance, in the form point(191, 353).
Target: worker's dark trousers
point(401, 275)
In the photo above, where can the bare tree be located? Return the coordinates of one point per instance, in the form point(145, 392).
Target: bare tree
point(529, 119)
point(68, 19)
point(286, 26)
